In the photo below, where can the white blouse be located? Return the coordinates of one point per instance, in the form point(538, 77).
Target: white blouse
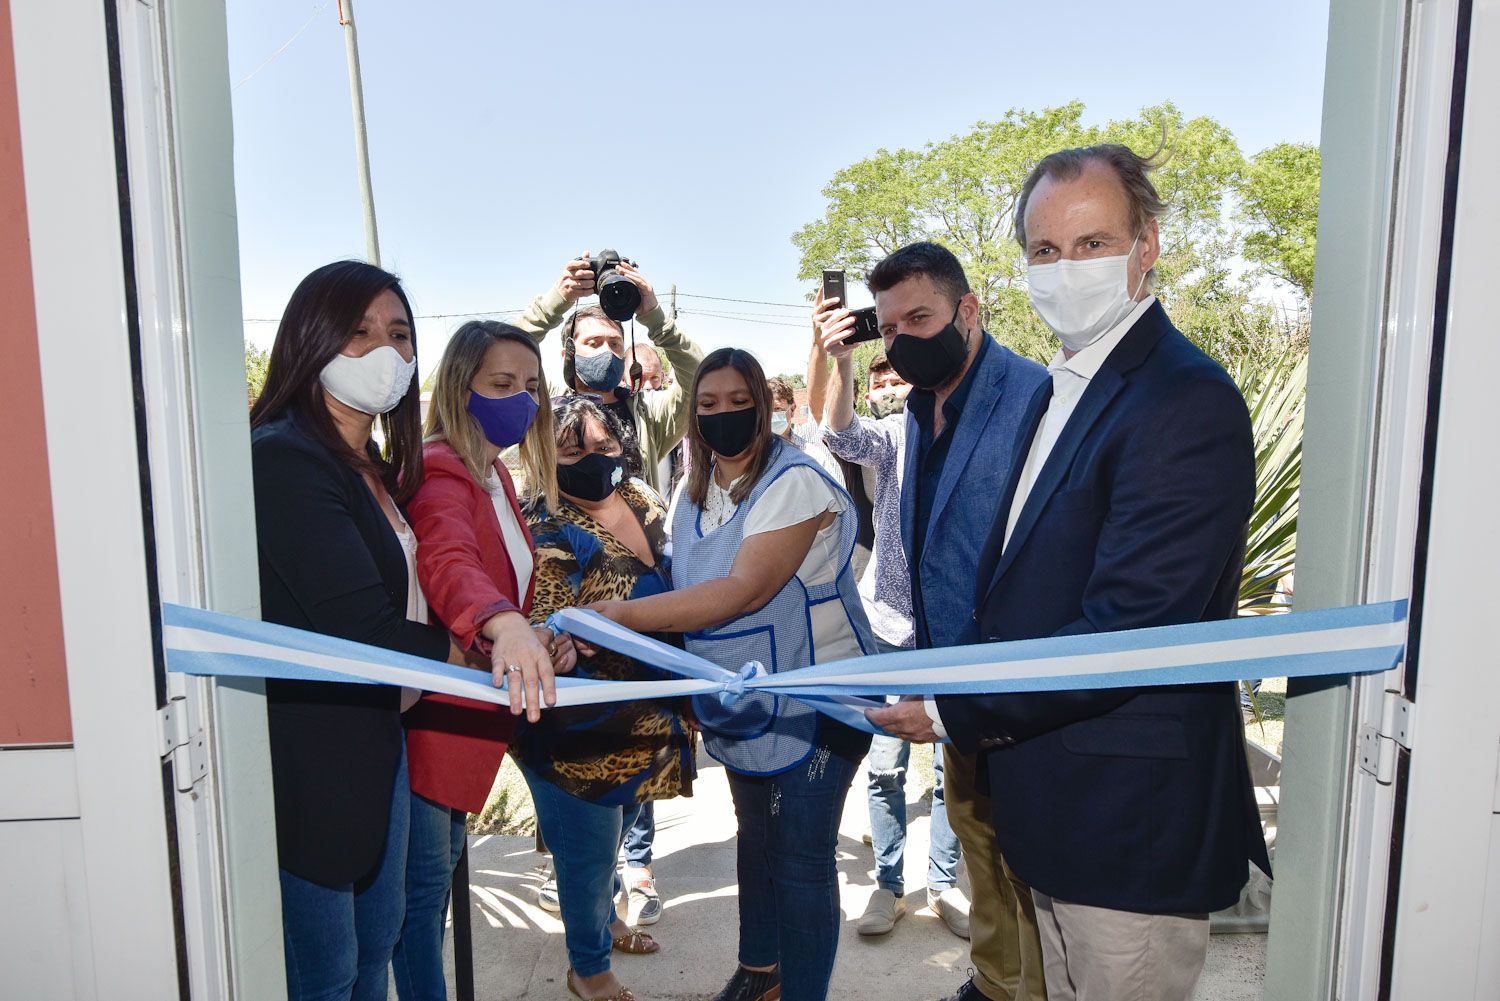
point(513, 536)
point(416, 601)
point(798, 494)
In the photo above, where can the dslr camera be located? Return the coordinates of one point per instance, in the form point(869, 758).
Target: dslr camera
point(618, 296)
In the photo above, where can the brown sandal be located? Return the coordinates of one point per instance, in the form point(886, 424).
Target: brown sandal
point(637, 943)
point(624, 994)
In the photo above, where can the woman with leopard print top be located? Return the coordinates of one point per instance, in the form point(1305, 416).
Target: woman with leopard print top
point(591, 767)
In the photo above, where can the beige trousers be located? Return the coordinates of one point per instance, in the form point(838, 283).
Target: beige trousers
point(1096, 954)
point(1003, 941)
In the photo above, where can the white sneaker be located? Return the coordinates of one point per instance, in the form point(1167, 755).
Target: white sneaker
point(884, 910)
point(643, 903)
point(546, 894)
point(953, 907)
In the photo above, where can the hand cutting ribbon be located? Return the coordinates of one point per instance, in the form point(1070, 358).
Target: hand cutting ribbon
point(1359, 639)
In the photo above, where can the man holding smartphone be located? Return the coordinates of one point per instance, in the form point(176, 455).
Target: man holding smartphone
point(962, 417)
point(876, 444)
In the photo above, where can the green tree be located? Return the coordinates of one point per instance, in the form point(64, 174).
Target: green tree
point(1279, 201)
point(962, 193)
point(256, 364)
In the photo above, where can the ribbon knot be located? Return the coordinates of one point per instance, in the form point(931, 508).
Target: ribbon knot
point(733, 688)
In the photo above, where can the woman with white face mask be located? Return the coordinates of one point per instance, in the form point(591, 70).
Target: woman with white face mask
point(337, 557)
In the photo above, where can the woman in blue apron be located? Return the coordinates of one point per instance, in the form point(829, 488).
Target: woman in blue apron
point(761, 542)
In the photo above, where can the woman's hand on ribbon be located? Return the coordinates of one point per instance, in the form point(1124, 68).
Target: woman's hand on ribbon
point(519, 662)
point(561, 649)
point(616, 611)
point(906, 719)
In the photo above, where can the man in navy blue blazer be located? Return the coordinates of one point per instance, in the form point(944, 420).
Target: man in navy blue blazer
point(963, 416)
point(1130, 812)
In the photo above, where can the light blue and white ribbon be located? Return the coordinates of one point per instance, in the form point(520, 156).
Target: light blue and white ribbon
point(1360, 639)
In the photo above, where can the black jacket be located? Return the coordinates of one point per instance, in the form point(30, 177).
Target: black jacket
point(1135, 799)
point(330, 563)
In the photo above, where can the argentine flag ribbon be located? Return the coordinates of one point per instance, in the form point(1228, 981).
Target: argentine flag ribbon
point(1358, 639)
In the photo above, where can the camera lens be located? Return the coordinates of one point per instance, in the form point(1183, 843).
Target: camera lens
point(618, 296)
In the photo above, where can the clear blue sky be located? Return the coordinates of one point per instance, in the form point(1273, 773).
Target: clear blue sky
point(693, 137)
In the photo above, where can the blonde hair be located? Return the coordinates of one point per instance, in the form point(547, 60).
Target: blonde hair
point(449, 420)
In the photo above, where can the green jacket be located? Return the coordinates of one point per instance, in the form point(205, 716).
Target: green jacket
point(661, 417)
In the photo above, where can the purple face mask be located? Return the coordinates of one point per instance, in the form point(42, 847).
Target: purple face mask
point(504, 420)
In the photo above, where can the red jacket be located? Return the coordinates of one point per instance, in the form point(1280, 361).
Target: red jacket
point(454, 746)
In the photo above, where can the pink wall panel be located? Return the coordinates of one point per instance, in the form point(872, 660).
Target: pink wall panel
point(33, 673)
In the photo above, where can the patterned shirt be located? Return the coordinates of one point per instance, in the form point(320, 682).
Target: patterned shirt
point(614, 753)
point(886, 584)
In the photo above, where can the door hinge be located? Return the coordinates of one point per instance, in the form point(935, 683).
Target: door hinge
point(1495, 805)
point(1377, 745)
point(185, 744)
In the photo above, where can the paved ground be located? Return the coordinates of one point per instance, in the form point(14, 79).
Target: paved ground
point(518, 948)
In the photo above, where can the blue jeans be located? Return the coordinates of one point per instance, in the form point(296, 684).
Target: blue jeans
point(640, 837)
point(785, 853)
point(887, 769)
point(585, 841)
point(436, 841)
point(339, 939)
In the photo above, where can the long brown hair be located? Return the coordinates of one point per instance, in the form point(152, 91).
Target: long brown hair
point(745, 364)
point(449, 420)
point(322, 315)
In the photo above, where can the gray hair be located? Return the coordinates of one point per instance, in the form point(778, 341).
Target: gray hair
point(1132, 170)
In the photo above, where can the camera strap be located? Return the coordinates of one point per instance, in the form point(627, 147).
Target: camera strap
point(636, 371)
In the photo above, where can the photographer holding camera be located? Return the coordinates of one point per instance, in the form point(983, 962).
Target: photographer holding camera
point(594, 349)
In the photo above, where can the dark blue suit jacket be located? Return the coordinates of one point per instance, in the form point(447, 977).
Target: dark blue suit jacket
point(968, 493)
point(1136, 799)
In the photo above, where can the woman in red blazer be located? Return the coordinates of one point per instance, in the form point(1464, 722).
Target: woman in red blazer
point(474, 560)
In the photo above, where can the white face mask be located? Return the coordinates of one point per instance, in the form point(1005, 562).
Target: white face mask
point(372, 383)
point(1082, 300)
point(778, 422)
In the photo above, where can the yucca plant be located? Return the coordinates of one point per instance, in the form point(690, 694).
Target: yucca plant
point(1275, 388)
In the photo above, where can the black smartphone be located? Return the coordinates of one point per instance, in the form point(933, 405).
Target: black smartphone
point(833, 285)
point(865, 328)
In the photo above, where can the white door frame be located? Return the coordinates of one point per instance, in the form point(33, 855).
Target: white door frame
point(177, 126)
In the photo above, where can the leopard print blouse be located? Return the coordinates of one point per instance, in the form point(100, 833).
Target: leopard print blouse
point(615, 753)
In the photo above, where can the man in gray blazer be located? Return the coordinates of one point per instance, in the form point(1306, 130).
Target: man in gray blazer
point(962, 417)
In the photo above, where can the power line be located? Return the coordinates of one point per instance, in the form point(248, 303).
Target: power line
point(803, 307)
point(776, 316)
point(742, 319)
point(284, 45)
point(752, 302)
point(419, 316)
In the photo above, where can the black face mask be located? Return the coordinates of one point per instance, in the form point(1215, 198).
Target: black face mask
point(729, 432)
point(592, 478)
point(929, 362)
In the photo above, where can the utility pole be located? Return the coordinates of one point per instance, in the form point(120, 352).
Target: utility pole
point(361, 140)
point(674, 300)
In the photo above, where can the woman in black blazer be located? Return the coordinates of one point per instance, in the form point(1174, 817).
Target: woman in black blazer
point(334, 557)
